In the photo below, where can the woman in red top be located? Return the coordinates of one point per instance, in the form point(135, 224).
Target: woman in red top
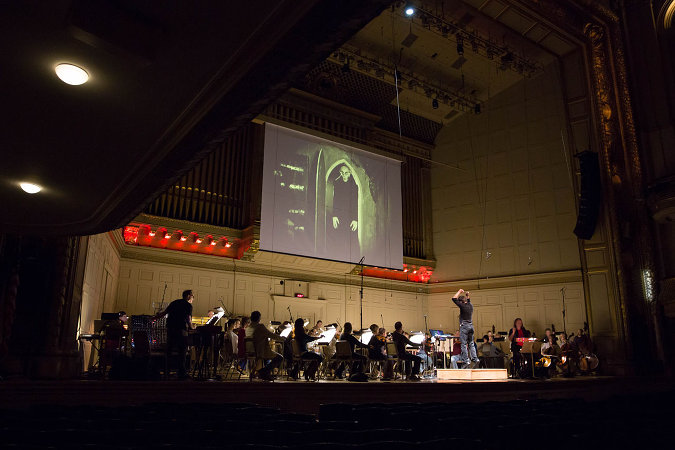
point(518, 331)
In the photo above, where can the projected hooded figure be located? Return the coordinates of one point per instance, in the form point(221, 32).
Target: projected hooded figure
point(345, 202)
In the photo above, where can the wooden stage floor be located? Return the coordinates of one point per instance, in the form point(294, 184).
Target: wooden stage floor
point(305, 397)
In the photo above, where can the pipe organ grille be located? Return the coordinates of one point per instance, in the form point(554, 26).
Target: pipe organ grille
point(413, 208)
point(318, 123)
point(216, 191)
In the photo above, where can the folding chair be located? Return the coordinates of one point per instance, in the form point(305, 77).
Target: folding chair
point(392, 354)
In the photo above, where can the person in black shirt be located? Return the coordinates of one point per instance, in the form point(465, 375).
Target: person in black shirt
point(401, 341)
point(461, 299)
point(178, 322)
point(302, 338)
point(353, 342)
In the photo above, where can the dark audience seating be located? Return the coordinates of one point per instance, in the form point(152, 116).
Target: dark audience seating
point(642, 420)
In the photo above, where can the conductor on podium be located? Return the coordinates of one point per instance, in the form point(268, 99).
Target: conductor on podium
point(468, 350)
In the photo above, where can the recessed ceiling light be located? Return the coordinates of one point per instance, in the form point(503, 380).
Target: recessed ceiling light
point(71, 74)
point(30, 188)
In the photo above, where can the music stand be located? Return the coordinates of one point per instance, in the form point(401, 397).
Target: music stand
point(531, 347)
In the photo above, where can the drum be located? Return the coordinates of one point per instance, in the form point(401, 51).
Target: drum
point(588, 362)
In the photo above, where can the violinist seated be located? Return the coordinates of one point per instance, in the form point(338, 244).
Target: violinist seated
point(317, 329)
point(377, 346)
point(302, 338)
point(353, 343)
point(401, 341)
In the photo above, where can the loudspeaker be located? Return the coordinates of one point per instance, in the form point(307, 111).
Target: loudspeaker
point(591, 194)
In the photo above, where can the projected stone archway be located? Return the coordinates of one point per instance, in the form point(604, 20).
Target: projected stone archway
point(335, 241)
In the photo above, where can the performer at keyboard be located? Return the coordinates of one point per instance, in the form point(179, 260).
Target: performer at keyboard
point(353, 342)
point(401, 341)
point(261, 337)
point(466, 332)
point(518, 331)
point(302, 338)
point(177, 325)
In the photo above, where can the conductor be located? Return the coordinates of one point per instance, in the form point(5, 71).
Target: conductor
point(461, 299)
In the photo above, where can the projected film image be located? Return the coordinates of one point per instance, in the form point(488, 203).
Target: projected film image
point(330, 201)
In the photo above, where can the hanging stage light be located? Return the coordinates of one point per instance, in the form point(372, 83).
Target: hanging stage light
point(476, 108)
point(434, 103)
point(460, 45)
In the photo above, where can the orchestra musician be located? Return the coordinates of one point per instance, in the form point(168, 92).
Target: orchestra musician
point(178, 323)
point(261, 337)
point(377, 346)
point(468, 355)
point(302, 338)
point(456, 354)
point(353, 342)
point(241, 342)
point(401, 341)
point(232, 327)
point(317, 329)
point(518, 331)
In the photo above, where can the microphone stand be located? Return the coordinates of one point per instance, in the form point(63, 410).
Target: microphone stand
point(562, 291)
point(424, 344)
point(363, 258)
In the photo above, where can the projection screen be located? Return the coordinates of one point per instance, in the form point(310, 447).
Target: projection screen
point(331, 201)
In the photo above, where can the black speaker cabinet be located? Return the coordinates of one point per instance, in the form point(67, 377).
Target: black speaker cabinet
point(591, 194)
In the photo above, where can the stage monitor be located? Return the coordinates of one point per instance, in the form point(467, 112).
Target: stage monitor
point(331, 201)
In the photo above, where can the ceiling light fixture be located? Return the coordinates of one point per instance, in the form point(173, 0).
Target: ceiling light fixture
point(30, 188)
point(71, 74)
point(409, 11)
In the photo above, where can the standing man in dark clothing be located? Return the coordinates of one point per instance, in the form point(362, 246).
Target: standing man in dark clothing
point(461, 299)
point(401, 341)
point(177, 325)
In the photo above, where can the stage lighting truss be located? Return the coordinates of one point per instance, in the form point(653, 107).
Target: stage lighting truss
point(405, 80)
point(507, 58)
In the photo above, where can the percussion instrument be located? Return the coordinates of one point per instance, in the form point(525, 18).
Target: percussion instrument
point(588, 362)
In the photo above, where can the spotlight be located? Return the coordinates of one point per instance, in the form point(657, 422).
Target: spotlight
point(167, 235)
point(30, 188)
point(151, 234)
point(460, 45)
point(183, 238)
point(228, 245)
point(71, 74)
point(409, 11)
point(434, 103)
point(476, 108)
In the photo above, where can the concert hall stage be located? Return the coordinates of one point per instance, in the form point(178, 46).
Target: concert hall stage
point(305, 397)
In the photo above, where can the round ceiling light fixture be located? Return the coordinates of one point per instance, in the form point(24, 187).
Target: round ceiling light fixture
point(71, 74)
point(30, 188)
point(409, 11)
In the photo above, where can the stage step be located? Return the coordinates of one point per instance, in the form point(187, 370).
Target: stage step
point(472, 374)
